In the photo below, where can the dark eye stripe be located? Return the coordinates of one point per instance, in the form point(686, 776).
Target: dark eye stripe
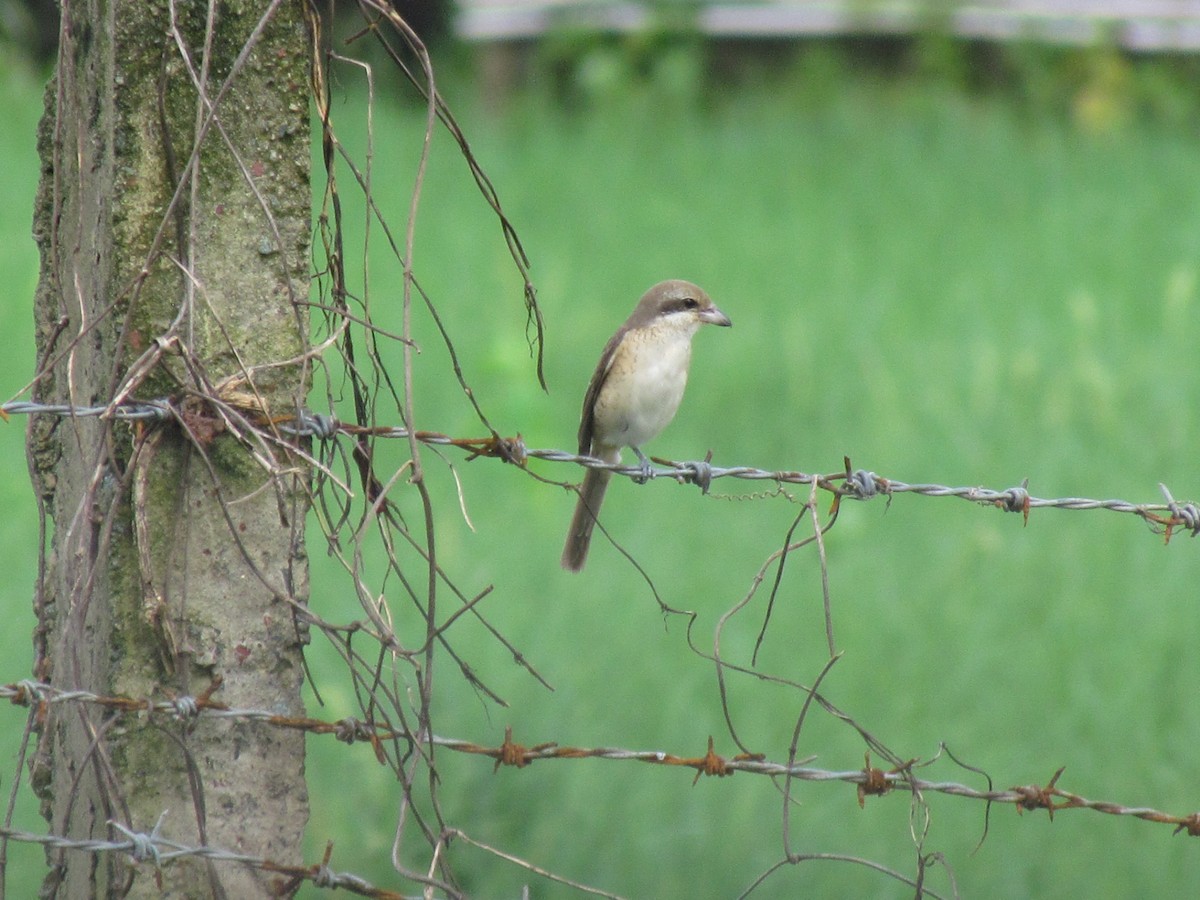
point(681, 303)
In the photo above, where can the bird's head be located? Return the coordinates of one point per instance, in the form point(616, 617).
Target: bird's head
point(681, 301)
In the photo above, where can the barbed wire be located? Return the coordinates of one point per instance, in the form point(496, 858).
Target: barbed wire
point(869, 780)
point(855, 484)
point(152, 847)
point(851, 483)
point(158, 410)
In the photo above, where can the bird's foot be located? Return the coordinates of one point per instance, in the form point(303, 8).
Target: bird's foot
point(644, 464)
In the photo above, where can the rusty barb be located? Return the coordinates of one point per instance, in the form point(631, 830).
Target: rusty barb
point(869, 781)
point(519, 756)
point(852, 484)
point(1052, 798)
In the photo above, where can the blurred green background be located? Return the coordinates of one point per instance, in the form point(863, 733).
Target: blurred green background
point(952, 263)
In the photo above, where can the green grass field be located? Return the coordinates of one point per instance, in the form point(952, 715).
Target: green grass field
point(20, 107)
point(945, 286)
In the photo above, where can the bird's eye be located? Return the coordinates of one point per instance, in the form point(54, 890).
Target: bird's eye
point(690, 302)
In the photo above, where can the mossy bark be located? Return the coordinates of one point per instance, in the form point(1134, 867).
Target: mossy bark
point(174, 550)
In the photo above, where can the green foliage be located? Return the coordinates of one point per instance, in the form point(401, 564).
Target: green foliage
point(20, 105)
point(1101, 86)
point(585, 66)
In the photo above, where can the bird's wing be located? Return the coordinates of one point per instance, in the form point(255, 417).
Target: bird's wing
point(587, 419)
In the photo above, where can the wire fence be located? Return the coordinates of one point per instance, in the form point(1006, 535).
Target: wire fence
point(869, 781)
point(153, 849)
point(857, 484)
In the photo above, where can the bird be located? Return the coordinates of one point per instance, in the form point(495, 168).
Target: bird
point(635, 393)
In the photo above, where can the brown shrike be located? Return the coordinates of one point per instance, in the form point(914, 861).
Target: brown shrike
point(635, 392)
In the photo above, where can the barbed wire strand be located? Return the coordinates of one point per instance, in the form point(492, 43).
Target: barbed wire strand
point(869, 780)
point(856, 484)
point(153, 848)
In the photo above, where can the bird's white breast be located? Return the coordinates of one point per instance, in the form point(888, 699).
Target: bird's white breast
point(645, 384)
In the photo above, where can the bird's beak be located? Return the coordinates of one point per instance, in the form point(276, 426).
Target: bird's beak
point(714, 316)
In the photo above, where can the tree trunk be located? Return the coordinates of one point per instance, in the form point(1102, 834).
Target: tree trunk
point(174, 266)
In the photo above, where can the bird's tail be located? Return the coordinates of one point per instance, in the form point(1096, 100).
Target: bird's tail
point(591, 495)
